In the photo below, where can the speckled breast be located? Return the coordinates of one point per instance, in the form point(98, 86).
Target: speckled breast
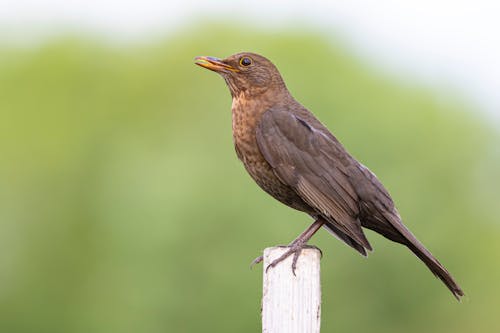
point(246, 115)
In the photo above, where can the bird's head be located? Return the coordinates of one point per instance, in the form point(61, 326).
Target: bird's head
point(246, 72)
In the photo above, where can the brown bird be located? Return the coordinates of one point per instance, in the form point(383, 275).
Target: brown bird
point(292, 156)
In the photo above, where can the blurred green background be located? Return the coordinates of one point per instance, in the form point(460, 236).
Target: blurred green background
point(123, 207)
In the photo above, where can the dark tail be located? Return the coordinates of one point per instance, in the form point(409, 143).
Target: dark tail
point(421, 252)
point(394, 230)
point(435, 266)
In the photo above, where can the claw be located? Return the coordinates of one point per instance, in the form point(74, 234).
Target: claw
point(294, 262)
point(296, 250)
point(295, 247)
point(317, 248)
point(256, 261)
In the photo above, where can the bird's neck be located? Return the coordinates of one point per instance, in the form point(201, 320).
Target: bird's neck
point(247, 108)
point(247, 111)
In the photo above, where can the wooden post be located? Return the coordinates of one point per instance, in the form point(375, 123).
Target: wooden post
point(291, 303)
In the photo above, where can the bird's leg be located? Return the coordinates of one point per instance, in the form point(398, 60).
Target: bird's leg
point(296, 246)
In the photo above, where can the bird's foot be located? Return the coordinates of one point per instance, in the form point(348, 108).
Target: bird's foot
point(256, 261)
point(259, 259)
point(294, 248)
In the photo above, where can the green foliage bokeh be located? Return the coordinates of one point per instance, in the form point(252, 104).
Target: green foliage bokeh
point(123, 207)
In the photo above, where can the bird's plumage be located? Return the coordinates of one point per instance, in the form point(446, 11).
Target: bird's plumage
point(296, 159)
point(341, 190)
point(305, 159)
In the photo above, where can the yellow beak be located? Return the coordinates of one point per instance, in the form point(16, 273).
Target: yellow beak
point(214, 64)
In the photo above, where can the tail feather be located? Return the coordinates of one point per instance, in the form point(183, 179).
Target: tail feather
point(423, 254)
point(435, 266)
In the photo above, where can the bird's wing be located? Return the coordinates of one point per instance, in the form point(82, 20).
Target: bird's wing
point(315, 166)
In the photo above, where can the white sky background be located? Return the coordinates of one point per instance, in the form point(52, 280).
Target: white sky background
point(448, 43)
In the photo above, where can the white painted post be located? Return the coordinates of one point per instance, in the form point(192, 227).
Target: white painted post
point(291, 303)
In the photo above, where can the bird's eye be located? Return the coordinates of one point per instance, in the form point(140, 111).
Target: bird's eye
point(245, 61)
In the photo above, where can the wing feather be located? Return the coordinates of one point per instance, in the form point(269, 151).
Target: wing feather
point(313, 165)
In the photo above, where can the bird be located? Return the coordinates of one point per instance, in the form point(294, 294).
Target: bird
point(293, 157)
